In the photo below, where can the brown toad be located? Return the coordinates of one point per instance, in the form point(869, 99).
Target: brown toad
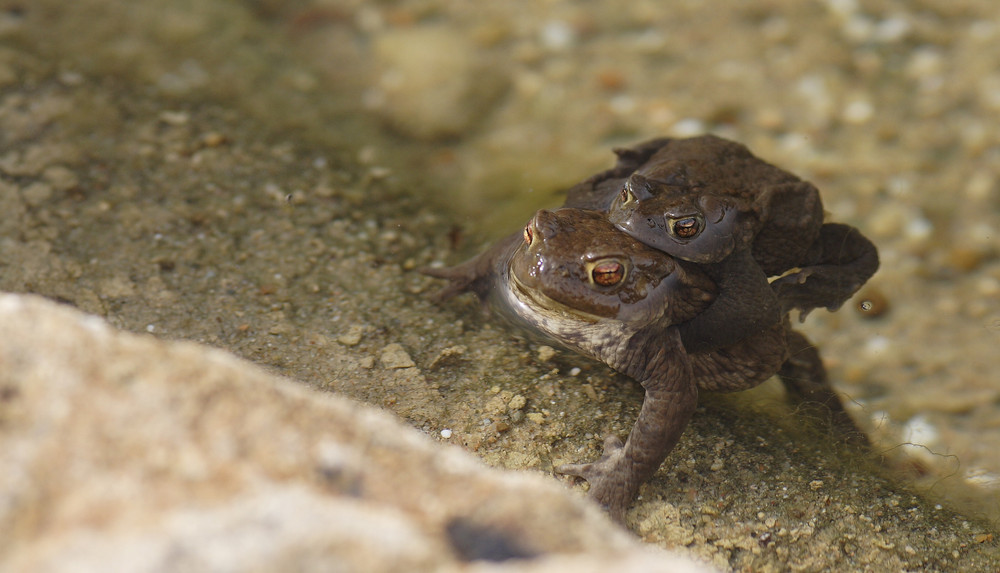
point(578, 281)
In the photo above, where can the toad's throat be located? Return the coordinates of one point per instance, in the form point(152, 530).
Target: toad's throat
point(598, 337)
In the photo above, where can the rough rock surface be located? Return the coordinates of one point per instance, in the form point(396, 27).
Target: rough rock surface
point(124, 453)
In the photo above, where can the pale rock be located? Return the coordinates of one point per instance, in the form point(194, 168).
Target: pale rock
point(122, 452)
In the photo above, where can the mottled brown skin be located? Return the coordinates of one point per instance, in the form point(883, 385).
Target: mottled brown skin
point(709, 200)
point(575, 279)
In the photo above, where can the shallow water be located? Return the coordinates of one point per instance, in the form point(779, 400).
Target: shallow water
point(483, 113)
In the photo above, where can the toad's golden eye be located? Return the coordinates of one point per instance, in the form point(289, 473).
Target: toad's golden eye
point(686, 227)
point(528, 235)
point(625, 195)
point(608, 273)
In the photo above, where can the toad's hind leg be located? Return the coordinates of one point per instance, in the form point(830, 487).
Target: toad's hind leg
point(844, 260)
point(806, 382)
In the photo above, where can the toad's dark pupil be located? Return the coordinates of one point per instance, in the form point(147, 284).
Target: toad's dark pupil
point(624, 195)
point(608, 273)
point(687, 227)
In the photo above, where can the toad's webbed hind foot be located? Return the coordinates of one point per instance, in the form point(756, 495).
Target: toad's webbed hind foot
point(844, 261)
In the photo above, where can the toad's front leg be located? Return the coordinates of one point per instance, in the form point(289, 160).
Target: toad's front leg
point(671, 398)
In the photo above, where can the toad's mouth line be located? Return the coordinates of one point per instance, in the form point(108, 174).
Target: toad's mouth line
point(541, 303)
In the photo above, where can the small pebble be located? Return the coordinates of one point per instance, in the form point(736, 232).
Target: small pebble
point(213, 139)
point(446, 433)
point(611, 80)
point(394, 356)
point(174, 117)
point(448, 354)
point(980, 477)
point(876, 345)
point(919, 430)
point(517, 402)
point(557, 35)
point(858, 112)
point(546, 353)
point(918, 229)
point(688, 127)
point(353, 335)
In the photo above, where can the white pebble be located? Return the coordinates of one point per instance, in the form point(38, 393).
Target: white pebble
point(877, 345)
point(918, 229)
point(900, 185)
point(919, 430)
point(688, 127)
point(446, 433)
point(858, 112)
point(557, 35)
point(982, 478)
point(574, 371)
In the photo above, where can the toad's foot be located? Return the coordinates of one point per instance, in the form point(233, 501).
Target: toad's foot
point(609, 484)
point(845, 261)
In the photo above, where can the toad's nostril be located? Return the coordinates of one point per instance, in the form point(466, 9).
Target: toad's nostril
point(638, 187)
point(544, 224)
